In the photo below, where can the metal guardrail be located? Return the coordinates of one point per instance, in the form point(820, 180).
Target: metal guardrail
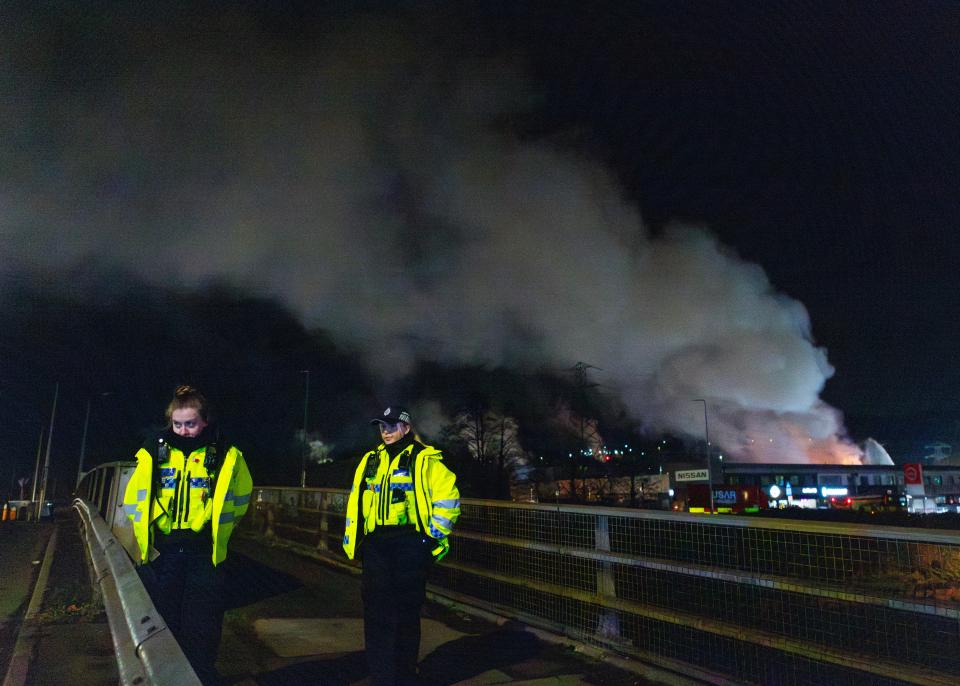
point(755, 600)
point(147, 653)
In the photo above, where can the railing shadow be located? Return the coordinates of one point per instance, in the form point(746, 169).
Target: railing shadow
point(247, 581)
point(339, 671)
point(470, 656)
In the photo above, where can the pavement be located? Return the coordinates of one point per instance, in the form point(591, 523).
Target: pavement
point(22, 546)
point(62, 637)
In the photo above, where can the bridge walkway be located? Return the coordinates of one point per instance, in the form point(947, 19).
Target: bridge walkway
point(297, 620)
point(291, 620)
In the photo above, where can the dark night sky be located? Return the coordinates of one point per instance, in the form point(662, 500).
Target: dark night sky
point(820, 140)
point(817, 140)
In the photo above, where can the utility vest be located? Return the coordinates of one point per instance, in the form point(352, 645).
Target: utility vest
point(409, 490)
point(178, 492)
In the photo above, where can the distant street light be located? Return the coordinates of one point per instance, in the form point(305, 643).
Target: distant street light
point(303, 450)
point(706, 434)
point(83, 441)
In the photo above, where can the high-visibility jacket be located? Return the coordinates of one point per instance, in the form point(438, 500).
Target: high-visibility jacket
point(430, 502)
point(181, 495)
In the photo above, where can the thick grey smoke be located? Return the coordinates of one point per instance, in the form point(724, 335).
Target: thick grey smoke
point(374, 183)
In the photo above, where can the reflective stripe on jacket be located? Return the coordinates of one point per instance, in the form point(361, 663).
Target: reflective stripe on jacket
point(183, 500)
point(431, 503)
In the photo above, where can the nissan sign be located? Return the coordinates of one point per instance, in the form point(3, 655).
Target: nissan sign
point(693, 475)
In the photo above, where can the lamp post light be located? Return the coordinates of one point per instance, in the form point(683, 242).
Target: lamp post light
point(303, 449)
point(83, 441)
point(706, 435)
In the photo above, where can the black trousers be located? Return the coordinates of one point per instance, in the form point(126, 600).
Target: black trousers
point(393, 587)
point(187, 590)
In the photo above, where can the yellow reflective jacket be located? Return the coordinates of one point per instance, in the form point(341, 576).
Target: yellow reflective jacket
point(431, 501)
point(177, 496)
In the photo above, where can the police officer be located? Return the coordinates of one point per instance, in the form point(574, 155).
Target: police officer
point(400, 512)
point(188, 491)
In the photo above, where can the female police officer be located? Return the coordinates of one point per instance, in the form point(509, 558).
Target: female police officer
point(402, 508)
point(189, 489)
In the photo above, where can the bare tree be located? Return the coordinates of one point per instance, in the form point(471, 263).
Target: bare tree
point(470, 427)
point(492, 439)
point(509, 453)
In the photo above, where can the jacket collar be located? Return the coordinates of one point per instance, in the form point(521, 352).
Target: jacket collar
point(396, 448)
point(188, 445)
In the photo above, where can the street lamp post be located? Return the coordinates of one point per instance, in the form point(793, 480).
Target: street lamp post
point(83, 441)
point(46, 459)
point(36, 466)
point(706, 435)
point(303, 449)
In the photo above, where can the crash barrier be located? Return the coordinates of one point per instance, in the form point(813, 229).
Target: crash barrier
point(102, 487)
point(146, 651)
point(725, 597)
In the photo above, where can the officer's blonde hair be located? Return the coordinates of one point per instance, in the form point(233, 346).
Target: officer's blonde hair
point(188, 397)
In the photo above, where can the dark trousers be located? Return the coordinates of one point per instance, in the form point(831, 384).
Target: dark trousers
point(187, 590)
point(393, 587)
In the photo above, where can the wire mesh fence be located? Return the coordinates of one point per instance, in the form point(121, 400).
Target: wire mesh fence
point(759, 601)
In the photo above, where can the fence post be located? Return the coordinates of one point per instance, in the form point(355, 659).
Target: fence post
point(608, 624)
point(101, 481)
point(323, 543)
point(270, 515)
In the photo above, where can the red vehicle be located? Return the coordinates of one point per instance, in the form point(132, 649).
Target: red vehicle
point(869, 503)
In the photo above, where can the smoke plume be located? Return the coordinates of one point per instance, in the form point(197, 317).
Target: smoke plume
point(376, 182)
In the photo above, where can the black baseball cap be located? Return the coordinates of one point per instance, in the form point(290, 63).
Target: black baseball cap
point(392, 415)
